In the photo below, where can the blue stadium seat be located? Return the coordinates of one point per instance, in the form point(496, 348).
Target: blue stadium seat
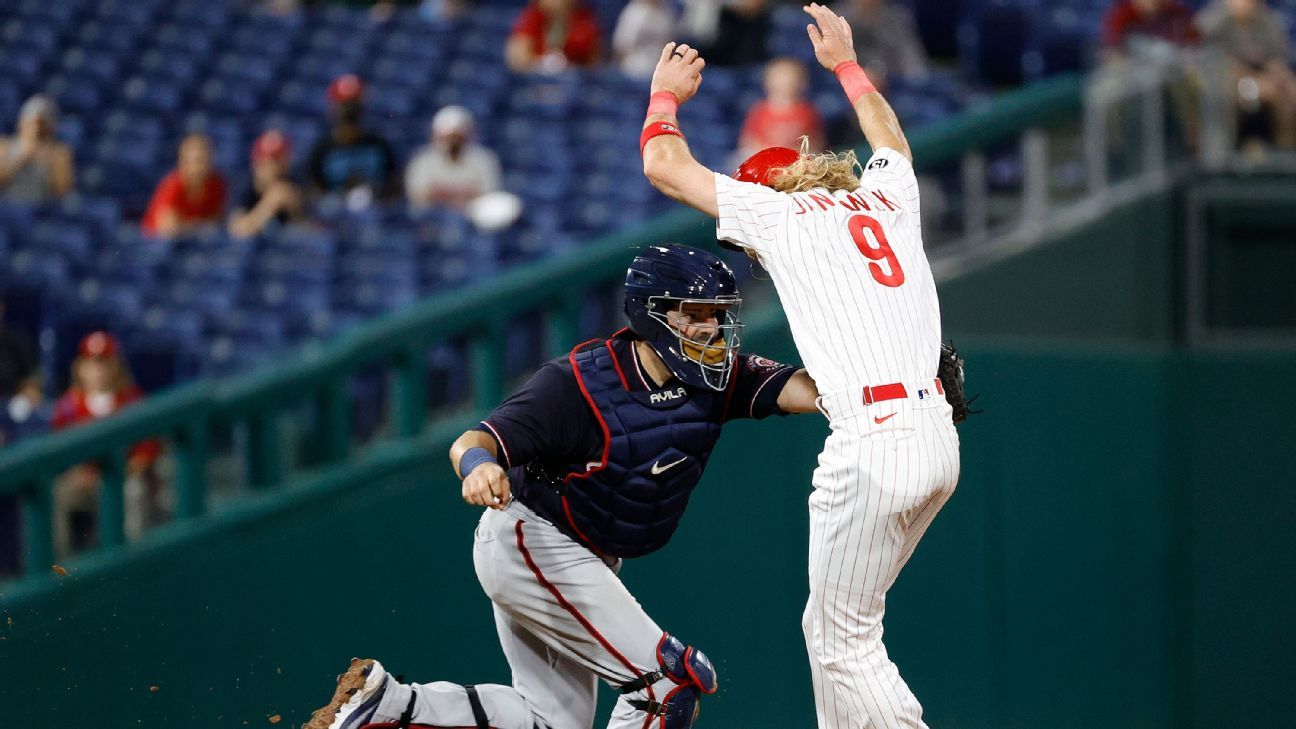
point(152, 95)
point(235, 96)
point(128, 12)
point(76, 93)
point(71, 240)
point(175, 37)
point(173, 65)
point(31, 36)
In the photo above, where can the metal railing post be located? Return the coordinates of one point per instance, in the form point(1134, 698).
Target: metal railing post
point(1096, 110)
point(409, 392)
point(332, 436)
point(976, 206)
point(1154, 141)
point(264, 451)
point(1035, 177)
point(38, 521)
point(563, 322)
point(191, 469)
point(487, 358)
point(112, 499)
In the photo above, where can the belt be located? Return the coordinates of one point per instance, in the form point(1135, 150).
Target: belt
point(848, 403)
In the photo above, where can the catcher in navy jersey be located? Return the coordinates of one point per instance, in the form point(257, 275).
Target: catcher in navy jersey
point(591, 462)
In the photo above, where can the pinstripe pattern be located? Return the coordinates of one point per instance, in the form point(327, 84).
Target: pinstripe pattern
point(877, 487)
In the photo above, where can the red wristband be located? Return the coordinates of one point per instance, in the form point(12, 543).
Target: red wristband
point(656, 129)
point(853, 80)
point(663, 102)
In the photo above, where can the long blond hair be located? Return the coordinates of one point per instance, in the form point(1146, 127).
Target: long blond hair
point(831, 171)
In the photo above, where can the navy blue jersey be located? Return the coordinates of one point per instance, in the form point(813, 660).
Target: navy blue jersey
point(549, 418)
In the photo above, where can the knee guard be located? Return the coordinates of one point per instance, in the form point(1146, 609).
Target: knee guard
point(691, 673)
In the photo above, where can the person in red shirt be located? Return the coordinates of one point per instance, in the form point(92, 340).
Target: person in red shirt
point(101, 386)
point(190, 196)
point(784, 115)
point(550, 35)
point(1169, 21)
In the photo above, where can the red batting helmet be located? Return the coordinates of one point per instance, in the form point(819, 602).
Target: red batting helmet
point(759, 167)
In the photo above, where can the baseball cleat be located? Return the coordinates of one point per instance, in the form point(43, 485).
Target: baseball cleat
point(356, 699)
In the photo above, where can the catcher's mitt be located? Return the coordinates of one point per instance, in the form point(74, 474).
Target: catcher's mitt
point(950, 372)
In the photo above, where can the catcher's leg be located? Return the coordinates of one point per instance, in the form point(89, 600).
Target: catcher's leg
point(572, 602)
point(367, 695)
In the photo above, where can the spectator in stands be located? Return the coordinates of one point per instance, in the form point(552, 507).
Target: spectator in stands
point(350, 160)
point(551, 35)
point(886, 39)
point(452, 170)
point(742, 33)
point(191, 196)
point(101, 386)
point(1154, 32)
point(642, 30)
point(34, 166)
point(1253, 38)
point(1145, 27)
point(273, 196)
point(784, 115)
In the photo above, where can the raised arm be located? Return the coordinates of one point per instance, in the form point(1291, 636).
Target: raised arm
point(667, 162)
point(835, 50)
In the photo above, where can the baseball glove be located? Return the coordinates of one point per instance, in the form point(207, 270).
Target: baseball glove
point(950, 372)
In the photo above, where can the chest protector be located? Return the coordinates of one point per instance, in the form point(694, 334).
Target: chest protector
point(656, 444)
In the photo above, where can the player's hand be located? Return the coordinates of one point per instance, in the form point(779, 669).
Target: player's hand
point(679, 71)
point(831, 38)
point(488, 486)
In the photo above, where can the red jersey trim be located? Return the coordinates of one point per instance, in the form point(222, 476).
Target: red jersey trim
point(508, 459)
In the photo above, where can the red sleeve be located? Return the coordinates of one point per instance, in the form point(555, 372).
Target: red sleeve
point(1116, 24)
point(583, 40)
point(164, 197)
point(66, 411)
point(529, 23)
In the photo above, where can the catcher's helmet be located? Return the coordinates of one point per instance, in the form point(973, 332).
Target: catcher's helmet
point(760, 167)
point(663, 278)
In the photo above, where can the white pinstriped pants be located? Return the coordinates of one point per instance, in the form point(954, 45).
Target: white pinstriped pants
point(876, 490)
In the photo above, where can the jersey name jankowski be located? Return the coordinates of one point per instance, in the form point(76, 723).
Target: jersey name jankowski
point(850, 271)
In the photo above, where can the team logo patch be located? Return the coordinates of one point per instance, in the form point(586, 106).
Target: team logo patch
point(878, 163)
point(757, 363)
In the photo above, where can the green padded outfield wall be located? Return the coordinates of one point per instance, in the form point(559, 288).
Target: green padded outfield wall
point(1117, 555)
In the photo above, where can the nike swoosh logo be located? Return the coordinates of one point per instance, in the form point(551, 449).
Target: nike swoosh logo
point(884, 418)
point(658, 468)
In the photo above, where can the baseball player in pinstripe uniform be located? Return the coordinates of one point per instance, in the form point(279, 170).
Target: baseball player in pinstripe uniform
point(591, 462)
point(844, 250)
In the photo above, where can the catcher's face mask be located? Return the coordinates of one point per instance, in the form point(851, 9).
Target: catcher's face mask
point(707, 337)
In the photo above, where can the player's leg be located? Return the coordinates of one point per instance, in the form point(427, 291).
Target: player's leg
point(939, 456)
point(863, 488)
point(573, 602)
point(368, 695)
point(560, 691)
